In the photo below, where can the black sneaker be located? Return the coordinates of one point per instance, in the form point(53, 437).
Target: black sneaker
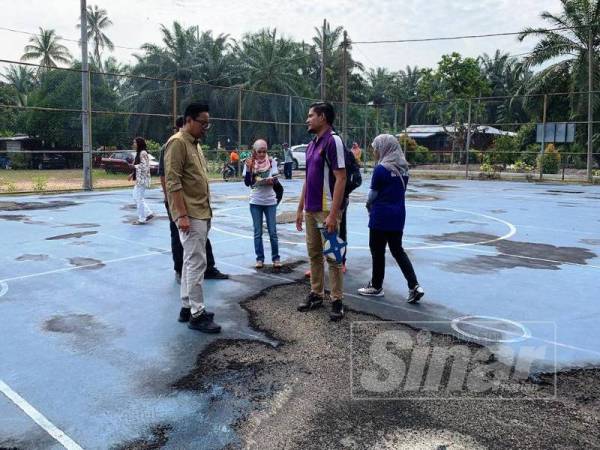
point(204, 323)
point(337, 310)
point(313, 301)
point(186, 313)
point(415, 294)
point(215, 274)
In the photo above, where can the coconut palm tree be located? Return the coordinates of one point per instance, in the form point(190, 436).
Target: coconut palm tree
point(22, 78)
point(97, 22)
point(569, 47)
point(46, 48)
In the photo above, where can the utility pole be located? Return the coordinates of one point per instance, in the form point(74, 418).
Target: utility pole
point(590, 102)
point(85, 102)
point(323, 33)
point(345, 87)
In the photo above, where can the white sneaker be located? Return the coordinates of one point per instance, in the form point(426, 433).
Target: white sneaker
point(414, 295)
point(370, 291)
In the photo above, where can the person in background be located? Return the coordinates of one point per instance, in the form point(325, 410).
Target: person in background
point(142, 179)
point(234, 159)
point(387, 215)
point(211, 273)
point(288, 161)
point(357, 152)
point(260, 173)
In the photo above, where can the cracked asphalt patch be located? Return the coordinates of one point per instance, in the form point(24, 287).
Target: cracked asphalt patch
point(300, 396)
point(86, 263)
point(512, 254)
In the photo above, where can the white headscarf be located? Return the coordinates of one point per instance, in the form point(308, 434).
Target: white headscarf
point(390, 153)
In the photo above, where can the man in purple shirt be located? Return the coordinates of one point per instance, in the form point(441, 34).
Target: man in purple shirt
point(321, 205)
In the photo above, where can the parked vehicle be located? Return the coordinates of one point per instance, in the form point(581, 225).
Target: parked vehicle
point(299, 156)
point(4, 162)
point(122, 162)
point(49, 161)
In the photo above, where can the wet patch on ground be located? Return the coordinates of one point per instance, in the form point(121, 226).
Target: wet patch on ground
point(14, 217)
point(590, 241)
point(29, 206)
point(299, 391)
point(512, 254)
point(467, 222)
point(435, 186)
point(84, 331)
point(77, 235)
point(422, 197)
point(82, 225)
point(86, 263)
point(286, 217)
point(560, 191)
point(32, 258)
point(158, 437)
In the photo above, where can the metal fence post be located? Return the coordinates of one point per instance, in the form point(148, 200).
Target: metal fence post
point(543, 136)
point(239, 119)
point(366, 114)
point(405, 117)
point(590, 104)
point(174, 102)
point(468, 146)
point(290, 121)
point(86, 116)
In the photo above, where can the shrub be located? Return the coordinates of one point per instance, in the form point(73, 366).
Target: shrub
point(530, 154)
point(521, 167)
point(596, 172)
point(40, 184)
point(550, 161)
point(420, 155)
point(19, 161)
point(505, 150)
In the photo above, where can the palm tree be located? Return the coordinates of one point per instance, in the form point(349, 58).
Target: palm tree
point(97, 22)
point(571, 45)
point(22, 79)
point(46, 48)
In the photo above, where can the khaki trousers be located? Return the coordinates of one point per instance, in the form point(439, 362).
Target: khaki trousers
point(314, 245)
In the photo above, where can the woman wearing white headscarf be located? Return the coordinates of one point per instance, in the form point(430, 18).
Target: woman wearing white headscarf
point(387, 213)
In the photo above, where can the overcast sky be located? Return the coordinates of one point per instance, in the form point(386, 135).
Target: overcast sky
point(136, 22)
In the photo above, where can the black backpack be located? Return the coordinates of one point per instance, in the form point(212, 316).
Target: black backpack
point(353, 176)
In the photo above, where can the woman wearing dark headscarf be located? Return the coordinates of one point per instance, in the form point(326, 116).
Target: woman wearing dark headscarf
point(387, 213)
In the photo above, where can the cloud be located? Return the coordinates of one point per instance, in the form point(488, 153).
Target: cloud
point(137, 22)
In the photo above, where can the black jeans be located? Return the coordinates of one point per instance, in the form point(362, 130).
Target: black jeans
point(177, 248)
point(287, 170)
point(378, 240)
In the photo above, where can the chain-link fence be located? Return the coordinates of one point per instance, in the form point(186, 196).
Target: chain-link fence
point(488, 137)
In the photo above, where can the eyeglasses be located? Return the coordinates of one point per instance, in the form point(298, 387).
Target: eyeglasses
point(261, 151)
point(205, 125)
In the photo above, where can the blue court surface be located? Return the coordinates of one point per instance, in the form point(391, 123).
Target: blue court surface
point(90, 345)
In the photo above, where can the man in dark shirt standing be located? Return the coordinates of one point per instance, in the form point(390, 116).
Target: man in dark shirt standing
point(212, 273)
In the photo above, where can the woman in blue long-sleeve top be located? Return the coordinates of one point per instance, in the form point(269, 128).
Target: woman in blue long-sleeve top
point(387, 214)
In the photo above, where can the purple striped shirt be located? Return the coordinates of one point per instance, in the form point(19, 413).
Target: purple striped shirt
point(320, 180)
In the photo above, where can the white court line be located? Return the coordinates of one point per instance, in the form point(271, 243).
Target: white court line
point(3, 288)
point(512, 231)
point(68, 269)
point(413, 310)
point(39, 418)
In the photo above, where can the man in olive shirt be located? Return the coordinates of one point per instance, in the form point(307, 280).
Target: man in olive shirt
point(189, 203)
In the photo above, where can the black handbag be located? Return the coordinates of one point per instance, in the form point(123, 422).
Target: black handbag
point(278, 188)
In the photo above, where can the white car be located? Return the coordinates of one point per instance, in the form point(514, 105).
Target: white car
point(299, 155)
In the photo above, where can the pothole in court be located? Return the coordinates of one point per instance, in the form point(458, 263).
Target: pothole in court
point(490, 329)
